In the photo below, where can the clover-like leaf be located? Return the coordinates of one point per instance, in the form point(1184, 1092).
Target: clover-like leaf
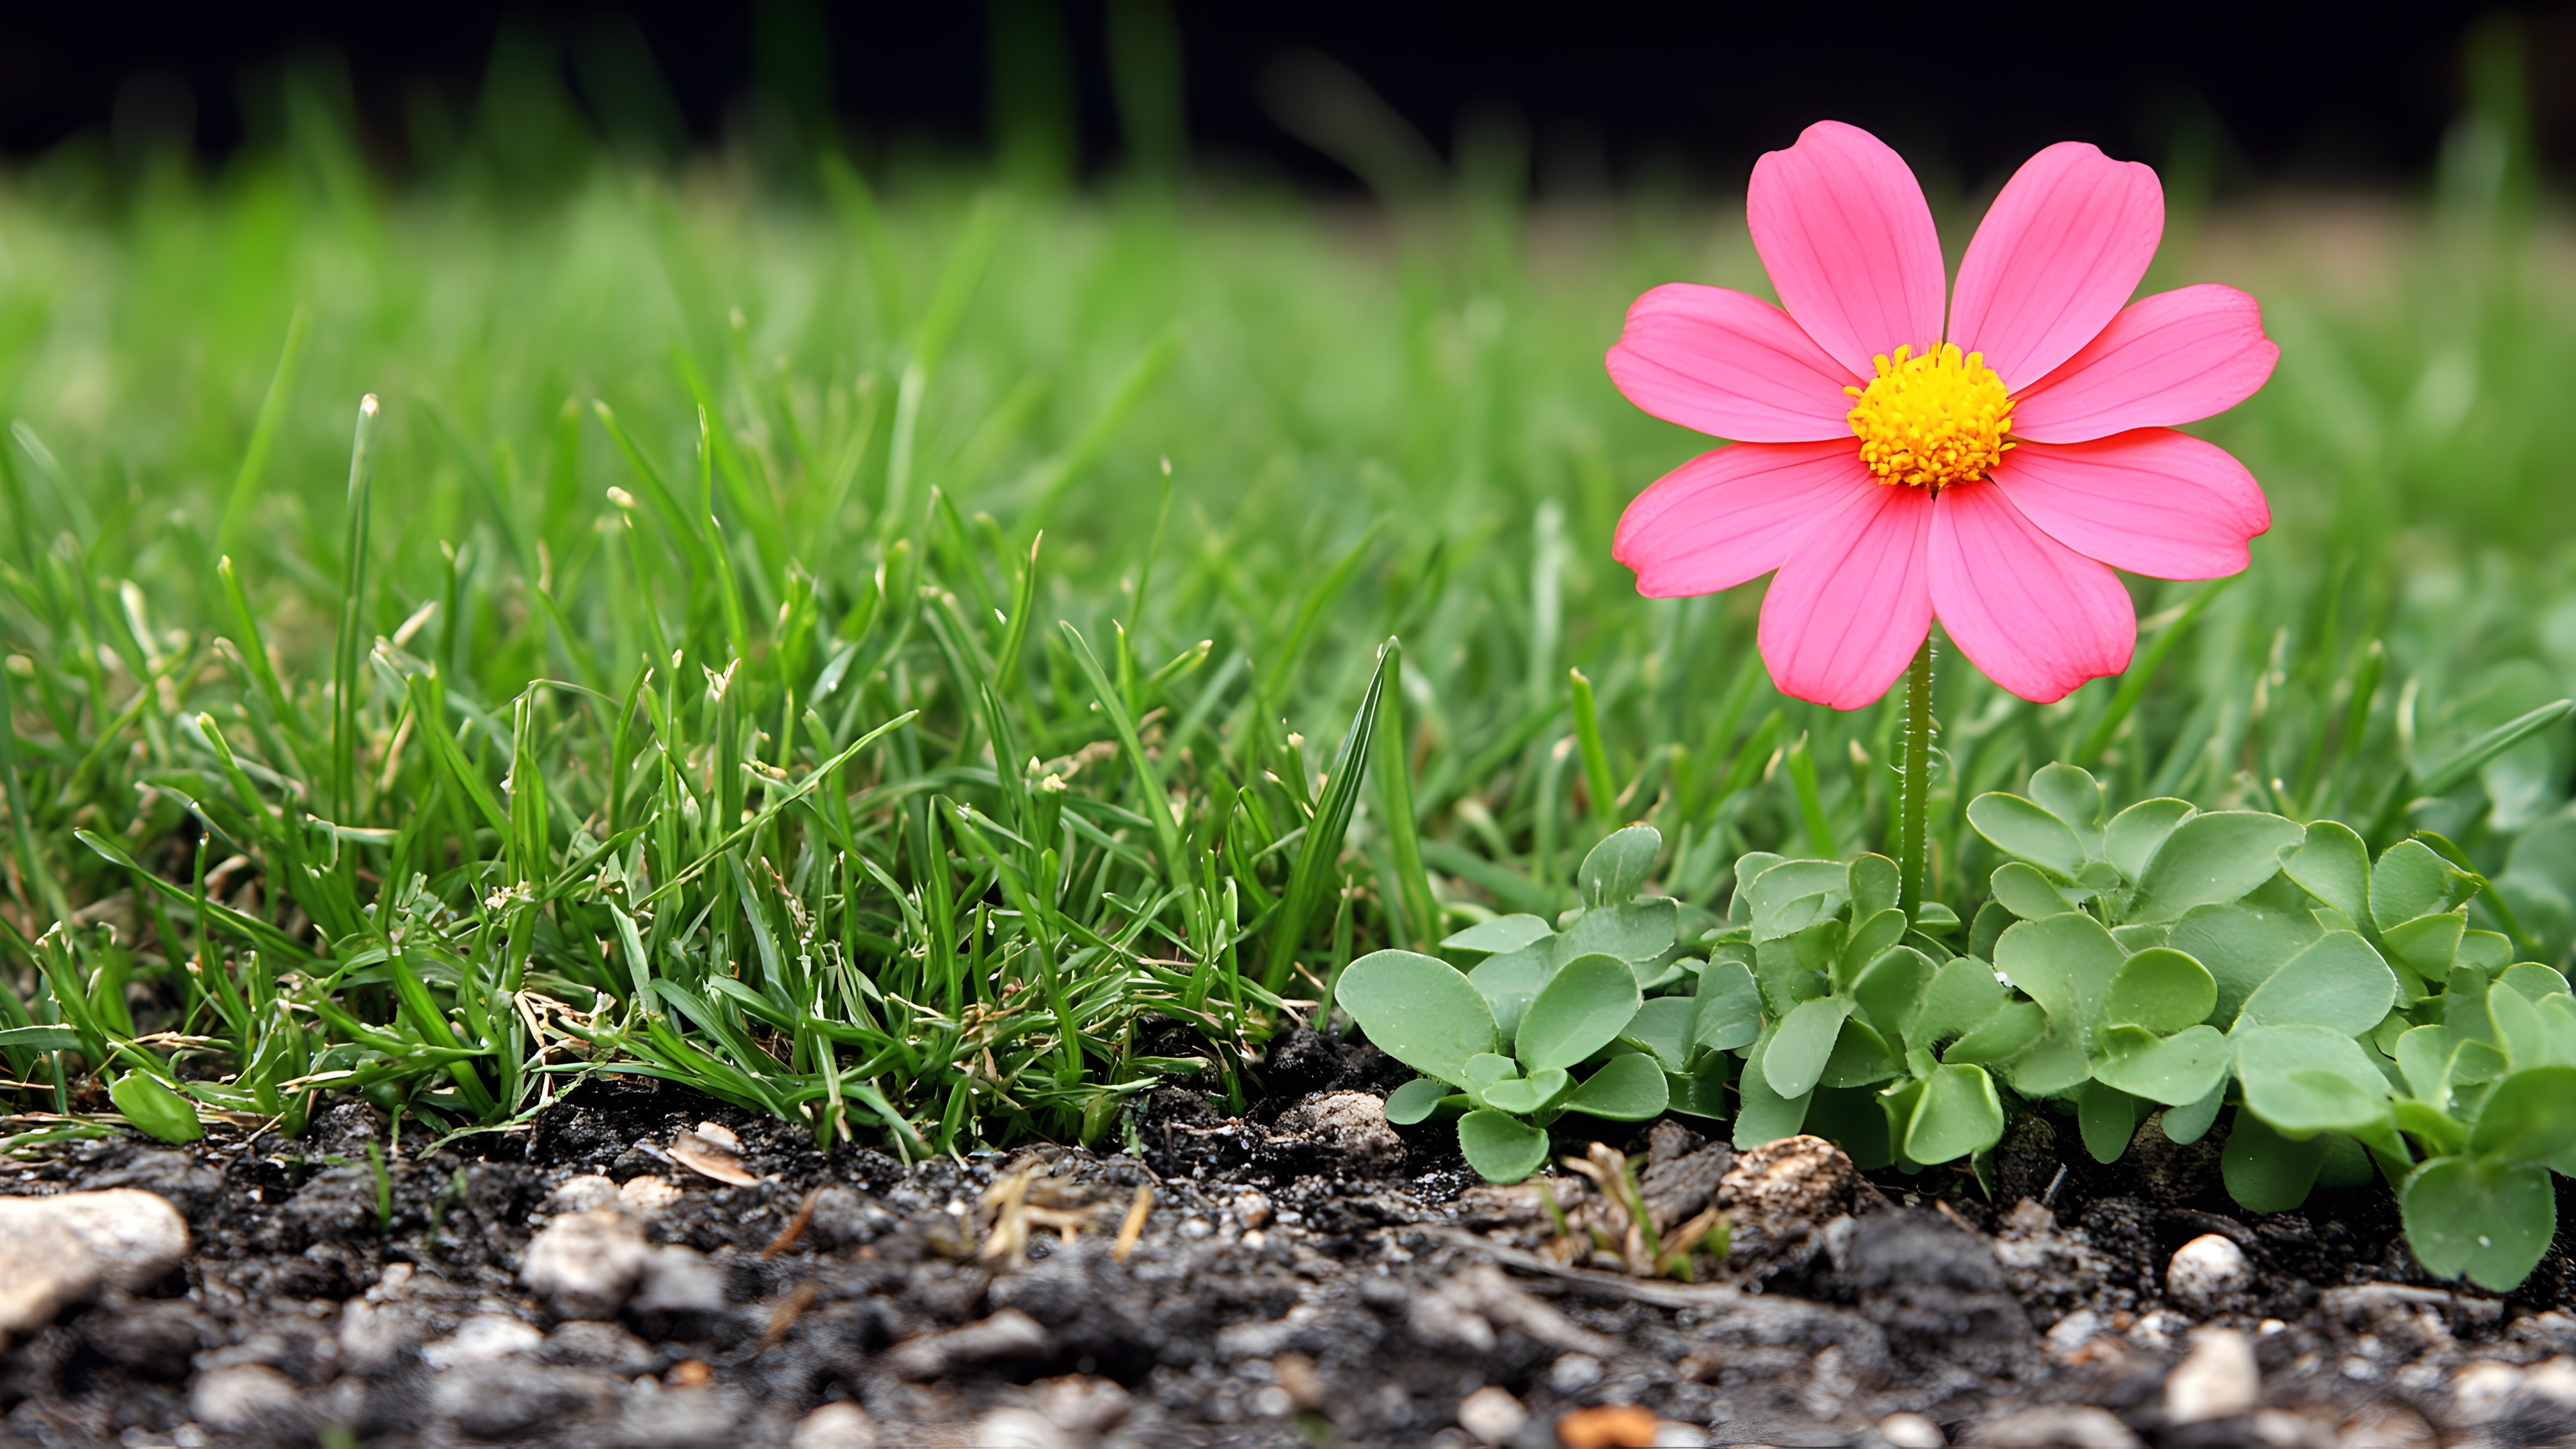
point(1803, 1044)
point(2211, 858)
point(2187, 1124)
point(2072, 795)
point(2334, 866)
point(1580, 1010)
point(2242, 945)
point(1416, 1100)
point(2490, 1223)
point(1957, 1115)
point(2175, 1070)
point(2025, 831)
point(2022, 890)
point(1486, 1068)
point(1633, 931)
point(1616, 869)
point(1418, 1010)
point(1860, 1058)
point(1873, 886)
point(1795, 894)
point(1873, 936)
point(1628, 1088)
point(2409, 881)
point(1962, 994)
point(2266, 1172)
point(1730, 1007)
point(1663, 1026)
point(1762, 1114)
point(2163, 990)
point(2055, 1060)
point(2530, 1116)
point(1502, 933)
point(2135, 834)
point(1892, 988)
point(1501, 1148)
point(1509, 981)
point(1525, 1095)
point(2427, 945)
point(2306, 1079)
point(2338, 983)
point(2008, 1031)
point(2066, 963)
point(2107, 1118)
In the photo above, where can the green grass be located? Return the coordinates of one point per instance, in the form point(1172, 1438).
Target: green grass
point(658, 688)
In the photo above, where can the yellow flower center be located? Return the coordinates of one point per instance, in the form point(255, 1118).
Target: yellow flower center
point(1932, 421)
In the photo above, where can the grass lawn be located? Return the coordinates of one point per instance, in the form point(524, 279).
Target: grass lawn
point(915, 659)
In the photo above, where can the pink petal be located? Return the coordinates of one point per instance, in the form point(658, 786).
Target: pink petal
point(2153, 501)
point(1733, 514)
point(2175, 357)
point(1851, 605)
point(1729, 365)
point(2032, 613)
point(2062, 247)
point(1843, 229)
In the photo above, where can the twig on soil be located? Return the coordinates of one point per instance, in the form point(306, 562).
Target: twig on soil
point(1134, 1227)
point(795, 1228)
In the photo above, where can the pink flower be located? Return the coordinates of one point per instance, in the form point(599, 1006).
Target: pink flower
point(1992, 473)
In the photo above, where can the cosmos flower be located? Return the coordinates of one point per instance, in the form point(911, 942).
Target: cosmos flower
point(1989, 469)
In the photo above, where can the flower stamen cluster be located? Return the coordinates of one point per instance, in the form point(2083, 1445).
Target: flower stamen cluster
point(1933, 421)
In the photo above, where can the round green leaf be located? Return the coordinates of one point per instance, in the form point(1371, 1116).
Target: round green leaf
point(155, 1108)
point(2134, 835)
point(2530, 1116)
point(1957, 1115)
point(1501, 1148)
point(2189, 1123)
point(2070, 794)
point(1523, 1096)
point(1861, 1057)
point(2066, 964)
point(1415, 1101)
point(2334, 866)
point(1870, 939)
point(2054, 1061)
point(2024, 831)
point(2427, 945)
point(2212, 858)
point(1891, 990)
point(1419, 1011)
point(2338, 983)
point(1764, 1115)
point(1628, 1088)
point(2161, 989)
point(1803, 1044)
point(1960, 997)
point(1486, 1068)
point(1631, 930)
point(1730, 1007)
point(1586, 1005)
point(1616, 869)
point(1502, 933)
point(2265, 1171)
point(2007, 1031)
point(2107, 1117)
point(2177, 1070)
point(2491, 1224)
point(2242, 945)
point(2307, 1079)
point(1873, 886)
point(1663, 1026)
point(2409, 881)
point(2022, 890)
point(1794, 894)
point(1509, 981)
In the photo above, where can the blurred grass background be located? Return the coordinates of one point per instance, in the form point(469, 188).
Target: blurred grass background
point(1380, 418)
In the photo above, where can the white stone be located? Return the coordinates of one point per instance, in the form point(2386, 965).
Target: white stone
point(244, 1398)
point(1574, 1373)
point(482, 1339)
point(2057, 1426)
point(1911, 1431)
point(2554, 1381)
point(1670, 1435)
point(581, 1194)
point(2218, 1379)
point(2073, 1331)
point(586, 1265)
point(2481, 1391)
point(1018, 1429)
point(2207, 1272)
point(67, 1249)
point(648, 1195)
point(1492, 1414)
point(841, 1425)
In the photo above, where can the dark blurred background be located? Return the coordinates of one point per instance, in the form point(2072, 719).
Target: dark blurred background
point(1329, 93)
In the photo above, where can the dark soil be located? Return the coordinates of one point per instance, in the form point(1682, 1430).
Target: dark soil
point(1302, 1277)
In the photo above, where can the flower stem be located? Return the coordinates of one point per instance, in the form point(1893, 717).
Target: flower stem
point(1914, 785)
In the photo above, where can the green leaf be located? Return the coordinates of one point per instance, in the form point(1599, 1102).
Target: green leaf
point(2339, 983)
point(1416, 1100)
point(1873, 886)
point(40, 1038)
point(2334, 866)
point(1501, 934)
point(1871, 938)
point(1795, 894)
point(2530, 1116)
point(2212, 858)
point(1419, 1011)
point(1523, 1096)
point(2409, 881)
point(1957, 1116)
point(1701, 1093)
point(2135, 834)
point(1663, 1026)
point(1634, 931)
point(1616, 869)
point(1805, 1041)
point(2108, 1118)
point(1860, 1057)
point(1509, 981)
point(2177, 1071)
point(2186, 1125)
point(2025, 831)
point(2163, 990)
point(2305, 1079)
point(1993, 919)
point(1961, 996)
point(2424, 1057)
point(1763, 1115)
point(2071, 795)
point(1891, 990)
point(154, 1108)
point(2022, 890)
point(2449, 774)
point(2065, 963)
point(2427, 945)
point(2242, 945)
point(1486, 1068)
point(1580, 1011)
point(2055, 1060)
point(1628, 1088)
point(2489, 1224)
point(1730, 1007)
point(1501, 1148)
point(2007, 1031)
point(2266, 1172)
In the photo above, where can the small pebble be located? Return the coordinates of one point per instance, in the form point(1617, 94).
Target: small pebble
point(1911, 1431)
point(2218, 1379)
point(482, 1339)
point(1273, 1402)
point(1574, 1373)
point(648, 1195)
point(67, 1249)
point(835, 1426)
point(244, 1399)
point(1492, 1414)
point(1018, 1429)
point(2481, 1391)
point(2206, 1273)
point(1611, 1426)
point(586, 1265)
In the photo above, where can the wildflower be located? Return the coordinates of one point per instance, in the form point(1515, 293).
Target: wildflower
point(1991, 472)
